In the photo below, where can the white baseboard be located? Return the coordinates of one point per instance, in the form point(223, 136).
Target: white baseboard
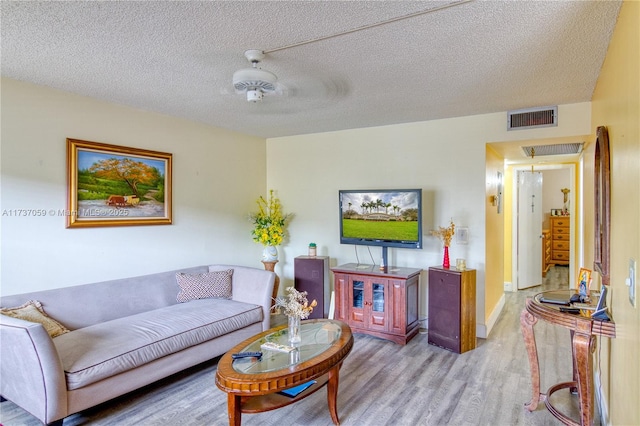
point(508, 286)
point(493, 318)
point(601, 401)
point(481, 331)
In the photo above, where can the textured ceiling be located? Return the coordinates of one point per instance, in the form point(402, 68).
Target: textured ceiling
point(177, 58)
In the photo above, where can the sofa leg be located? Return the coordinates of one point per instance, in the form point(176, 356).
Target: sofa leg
point(56, 423)
point(2, 398)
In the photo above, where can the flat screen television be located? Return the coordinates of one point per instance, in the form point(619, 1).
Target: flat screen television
point(383, 217)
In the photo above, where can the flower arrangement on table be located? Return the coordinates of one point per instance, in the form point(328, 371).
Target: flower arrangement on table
point(445, 234)
point(268, 222)
point(296, 307)
point(295, 304)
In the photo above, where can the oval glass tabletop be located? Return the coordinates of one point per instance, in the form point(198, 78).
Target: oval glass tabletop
point(317, 337)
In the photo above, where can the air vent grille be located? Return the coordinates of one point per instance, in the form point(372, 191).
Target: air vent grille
point(532, 118)
point(558, 149)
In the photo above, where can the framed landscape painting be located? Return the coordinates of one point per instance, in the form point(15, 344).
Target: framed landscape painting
point(110, 185)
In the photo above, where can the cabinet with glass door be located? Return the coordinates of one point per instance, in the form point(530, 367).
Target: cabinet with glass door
point(379, 303)
point(368, 301)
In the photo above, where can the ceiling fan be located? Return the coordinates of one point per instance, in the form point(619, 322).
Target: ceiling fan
point(254, 81)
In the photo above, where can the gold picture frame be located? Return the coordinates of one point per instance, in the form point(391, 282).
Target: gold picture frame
point(111, 185)
point(584, 282)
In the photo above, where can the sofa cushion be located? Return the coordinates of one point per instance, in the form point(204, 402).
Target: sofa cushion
point(205, 285)
point(99, 351)
point(34, 312)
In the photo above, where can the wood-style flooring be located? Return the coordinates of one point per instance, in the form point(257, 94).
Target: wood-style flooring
point(381, 383)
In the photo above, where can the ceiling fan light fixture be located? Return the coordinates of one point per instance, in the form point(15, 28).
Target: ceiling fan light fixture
point(254, 95)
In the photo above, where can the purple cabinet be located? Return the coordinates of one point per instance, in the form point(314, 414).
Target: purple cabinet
point(452, 309)
point(311, 274)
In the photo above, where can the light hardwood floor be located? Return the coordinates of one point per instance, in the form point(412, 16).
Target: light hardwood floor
point(381, 383)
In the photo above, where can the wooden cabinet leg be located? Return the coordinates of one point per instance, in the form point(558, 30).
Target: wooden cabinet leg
point(583, 347)
point(332, 393)
point(233, 407)
point(527, 321)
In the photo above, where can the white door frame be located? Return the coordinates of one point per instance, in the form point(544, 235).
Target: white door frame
point(573, 211)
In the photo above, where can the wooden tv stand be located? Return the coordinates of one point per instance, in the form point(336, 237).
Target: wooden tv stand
point(381, 303)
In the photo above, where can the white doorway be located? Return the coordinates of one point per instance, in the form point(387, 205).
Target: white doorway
point(529, 229)
point(575, 212)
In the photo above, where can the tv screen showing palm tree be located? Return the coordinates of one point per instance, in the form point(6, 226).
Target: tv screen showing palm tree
point(381, 217)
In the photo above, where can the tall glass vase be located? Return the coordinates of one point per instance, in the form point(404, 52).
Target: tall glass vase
point(294, 330)
point(445, 261)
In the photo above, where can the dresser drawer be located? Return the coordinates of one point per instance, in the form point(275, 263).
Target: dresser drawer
point(560, 222)
point(560, 245)
point(561, 230)
point(561, 237)
point(561, 255)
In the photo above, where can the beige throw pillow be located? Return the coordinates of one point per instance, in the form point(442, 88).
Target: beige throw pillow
point(34, 312)
point(215, 284)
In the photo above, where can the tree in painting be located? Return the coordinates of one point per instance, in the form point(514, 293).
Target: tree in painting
point(127, 170)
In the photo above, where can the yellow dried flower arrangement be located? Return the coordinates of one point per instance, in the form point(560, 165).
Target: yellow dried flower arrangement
point(445, 234)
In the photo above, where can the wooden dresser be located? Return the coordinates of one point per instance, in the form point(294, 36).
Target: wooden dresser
point(546, 251)
point(560, 239)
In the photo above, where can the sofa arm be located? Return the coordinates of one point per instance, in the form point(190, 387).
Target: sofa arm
point(252, 285)
point(31, 371)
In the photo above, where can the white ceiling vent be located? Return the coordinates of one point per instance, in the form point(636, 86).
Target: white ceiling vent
point(532, 118)
point(557, 149)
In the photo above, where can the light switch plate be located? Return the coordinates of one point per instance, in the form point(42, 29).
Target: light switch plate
point(631, 281)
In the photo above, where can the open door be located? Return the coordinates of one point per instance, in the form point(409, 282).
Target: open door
point(529, 228)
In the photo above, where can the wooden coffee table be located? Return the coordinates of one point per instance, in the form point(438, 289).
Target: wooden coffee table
point(253, 385)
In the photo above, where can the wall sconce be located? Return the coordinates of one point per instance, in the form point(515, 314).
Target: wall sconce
point(500, 187)
point(496, 200)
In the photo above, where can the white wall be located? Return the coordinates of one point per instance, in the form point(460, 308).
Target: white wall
point(446, 158)
point(217, 175)
point(553, 180)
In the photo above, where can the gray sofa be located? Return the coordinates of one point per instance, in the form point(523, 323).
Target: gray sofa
point(124, 334)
